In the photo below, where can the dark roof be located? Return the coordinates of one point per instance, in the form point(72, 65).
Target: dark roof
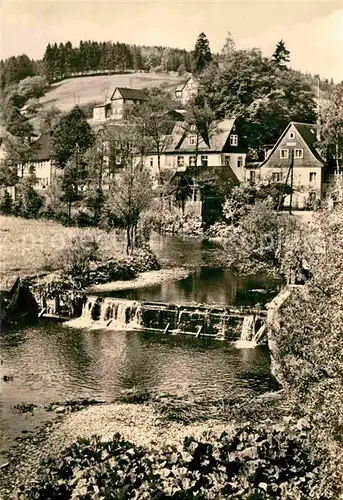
point(308, 132)
point(131, 94)
point(44, 146)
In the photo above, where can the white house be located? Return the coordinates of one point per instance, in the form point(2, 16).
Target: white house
point(114, 108)
point(42, 166)
point(223, 148)
point(295, 160)
point(187, 90)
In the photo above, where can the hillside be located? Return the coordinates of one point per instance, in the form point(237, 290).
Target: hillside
point(83, 90)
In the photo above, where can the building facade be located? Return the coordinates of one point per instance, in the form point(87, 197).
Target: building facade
point(114, 108)
point(187, 90)
point(42, 166)
point(296, 161)
point(185, 147)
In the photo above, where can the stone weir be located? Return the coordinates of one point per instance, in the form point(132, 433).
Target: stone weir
point(216, 321)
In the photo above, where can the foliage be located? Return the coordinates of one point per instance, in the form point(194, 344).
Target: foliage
point(202, 53)
point(47, 119)
point(251, 87)
point(8, 174)
point(91, 57)
point(153, 122)
point(131, 189)
point(28, 202)
point(241, 197)
point(32, 87)
point(75, 260)
point(228, 47)
point(281, 55)
point(309, 339)
point(71, 132)
point(331, 128)
point(14, 69)
point(258, 240)
point(261, 461)
point(5, 203)
point(16, 124)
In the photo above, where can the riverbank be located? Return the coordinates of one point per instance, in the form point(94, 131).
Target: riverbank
point(147, 278)
point(140, 451)
point(158, 419)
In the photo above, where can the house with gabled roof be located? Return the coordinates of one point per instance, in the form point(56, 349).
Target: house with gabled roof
point(42, 164)
point(114, 108)
point(296, 160)
point(186, 90)
point(219, 152)
point(220, 147)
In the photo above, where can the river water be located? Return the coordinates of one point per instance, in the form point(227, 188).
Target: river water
point(51, 362)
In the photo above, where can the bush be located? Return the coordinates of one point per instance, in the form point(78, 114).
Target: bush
point(28, 203)
point(75, 260)
point(264, 461)
point(6, 203)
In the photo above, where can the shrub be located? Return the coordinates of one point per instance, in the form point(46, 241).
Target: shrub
point(75, 260)
point(6, 203)
point(28, 203)
point(264, 461)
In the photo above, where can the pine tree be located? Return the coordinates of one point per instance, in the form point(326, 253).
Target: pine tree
point(281, 55)
point(229, 46)
point(202, 53)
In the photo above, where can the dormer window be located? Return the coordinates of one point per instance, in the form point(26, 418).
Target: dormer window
point(291, 135)
point(233, 140)
point(192, 139)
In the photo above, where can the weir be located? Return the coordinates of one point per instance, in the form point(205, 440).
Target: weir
point(216, 321)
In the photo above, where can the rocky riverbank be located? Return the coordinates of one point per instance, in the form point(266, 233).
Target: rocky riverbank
point(139, 450)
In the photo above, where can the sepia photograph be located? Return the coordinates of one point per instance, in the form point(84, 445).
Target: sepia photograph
point(171, 250)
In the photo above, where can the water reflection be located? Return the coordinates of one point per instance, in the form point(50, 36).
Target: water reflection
point(52, 363)
point(208, 286)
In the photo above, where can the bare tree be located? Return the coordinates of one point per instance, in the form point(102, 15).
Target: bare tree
point(130, 192)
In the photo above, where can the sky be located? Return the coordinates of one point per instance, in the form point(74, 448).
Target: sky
point(312, 31)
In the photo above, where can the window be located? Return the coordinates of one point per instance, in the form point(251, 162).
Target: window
point(118, 160)
point(284, 154)
point(192, 128)
point(276, 177)
point(192, 140)
point(151, 162)
point(240, 161)
point(227, 161)
point(291, 135)
point(180, 161)
point(252, 176)
point(233, 140)
point(313, 176)
point(298, 153)
point(204, 161)
point(192, 161)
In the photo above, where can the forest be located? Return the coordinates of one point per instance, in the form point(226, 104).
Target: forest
point(63, 60)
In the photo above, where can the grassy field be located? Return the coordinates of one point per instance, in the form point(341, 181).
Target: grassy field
point(82, 90)
point(31, 246)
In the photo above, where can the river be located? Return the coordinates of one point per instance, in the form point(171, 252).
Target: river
point(51, 362)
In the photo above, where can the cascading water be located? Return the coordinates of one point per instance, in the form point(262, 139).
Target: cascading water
point(108, 313)
point(247, 328)
point(199, 320)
